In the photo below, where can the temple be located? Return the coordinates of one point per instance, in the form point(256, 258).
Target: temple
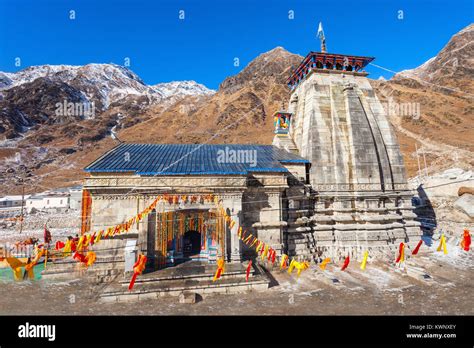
point(359, 193)
point(332, 184)
point(250, 180)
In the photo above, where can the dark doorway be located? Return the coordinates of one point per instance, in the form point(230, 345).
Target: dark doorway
point(191, 243)
point(151, 240)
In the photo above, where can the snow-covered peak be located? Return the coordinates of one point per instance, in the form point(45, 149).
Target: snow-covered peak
point(108, 83)
point(182, 88)
point(417, 72)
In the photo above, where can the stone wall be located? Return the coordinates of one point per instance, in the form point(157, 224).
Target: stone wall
point(359, 194)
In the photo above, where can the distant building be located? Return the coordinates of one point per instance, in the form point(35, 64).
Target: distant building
point(48, 202)
point(12, 201)
point(75, 197)
point(10, 206)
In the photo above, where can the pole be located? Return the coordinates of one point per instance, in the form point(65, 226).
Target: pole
point(424, 160)
point(418, 160)
point(22, 204)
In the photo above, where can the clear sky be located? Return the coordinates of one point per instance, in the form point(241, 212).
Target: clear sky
point(202, 47)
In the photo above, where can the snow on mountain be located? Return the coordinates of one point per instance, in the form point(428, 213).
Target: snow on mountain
point(107, 82)
point(182, 88)
point(419, 71)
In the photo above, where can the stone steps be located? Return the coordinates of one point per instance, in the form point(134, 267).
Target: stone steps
point(174, 282)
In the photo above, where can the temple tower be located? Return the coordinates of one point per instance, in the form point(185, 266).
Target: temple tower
point(360, 196)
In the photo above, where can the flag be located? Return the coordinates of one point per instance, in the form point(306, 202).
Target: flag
point(292, 265)
point(324, 263)
point(320, 33)
point(16, 266)
point(364, 260)
point(59, 245)
point(415, 251)
point(401, 253)
point(466, 240)
point(249, 267)
point(220, 269)
point(346, 263)
point(284, 261)
point(442, 244)
point(138, 268)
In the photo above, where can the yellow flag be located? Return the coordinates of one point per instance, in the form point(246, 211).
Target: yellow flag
point(80, 242)
point(67, 247)
point(97, 238)
point(364, 260)
point(292, 265)
point(442, 244)
point(265, 252)
point(16, 266)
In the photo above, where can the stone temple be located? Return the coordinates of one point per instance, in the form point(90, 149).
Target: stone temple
point(332, 184)
point(359, 194)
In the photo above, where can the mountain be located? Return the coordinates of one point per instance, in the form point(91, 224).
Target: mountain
point(239, 112)
point(31, 96)
point(442, 90)
point(452, 67)
point(54, 148)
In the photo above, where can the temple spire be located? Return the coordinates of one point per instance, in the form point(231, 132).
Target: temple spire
point(321, 36)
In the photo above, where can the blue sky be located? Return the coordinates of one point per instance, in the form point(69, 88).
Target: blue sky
point(202, 47)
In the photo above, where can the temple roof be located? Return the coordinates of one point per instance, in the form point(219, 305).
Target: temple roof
point(356, 63)
point(193, 159)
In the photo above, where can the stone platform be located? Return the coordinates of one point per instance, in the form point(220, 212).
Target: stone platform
point(192, 276)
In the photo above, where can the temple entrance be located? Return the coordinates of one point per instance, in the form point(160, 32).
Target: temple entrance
point(188, 234)
point(191, 243)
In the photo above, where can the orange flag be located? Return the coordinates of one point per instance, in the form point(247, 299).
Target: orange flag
point(138, 268)
point(324, 263)
point(220, 269)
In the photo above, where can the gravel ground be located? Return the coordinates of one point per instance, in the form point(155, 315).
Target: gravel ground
point(380, 289)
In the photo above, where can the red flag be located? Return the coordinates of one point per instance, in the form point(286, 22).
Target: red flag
point(92, 239)
point(249, 267)
point(400, 253)
point(59, 245)
point(466, 241)
point(346, 263)
point(415, 251)
point(79, 257)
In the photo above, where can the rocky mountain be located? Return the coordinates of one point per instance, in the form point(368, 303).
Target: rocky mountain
point(41, 94)
point(452, 68)
point(53, 149)
point(442, 90)
point(239, 112)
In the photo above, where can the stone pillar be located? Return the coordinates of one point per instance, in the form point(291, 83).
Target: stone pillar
point(234, 204)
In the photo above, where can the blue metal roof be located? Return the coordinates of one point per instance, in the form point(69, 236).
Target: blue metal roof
point(193, 159)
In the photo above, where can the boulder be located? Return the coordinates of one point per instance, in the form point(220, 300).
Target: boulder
point(465, 203)
point(463, 189)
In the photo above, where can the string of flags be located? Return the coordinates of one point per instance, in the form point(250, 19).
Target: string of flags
point(79, 250)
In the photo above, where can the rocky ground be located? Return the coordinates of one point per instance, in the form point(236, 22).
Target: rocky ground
point(380, 289)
